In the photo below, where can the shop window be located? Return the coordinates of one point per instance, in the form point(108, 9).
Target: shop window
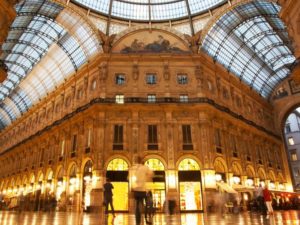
point(183, 98)
point(291, 141)
point(187, 137)
point(94, 84)
point(182, 79)
point(120, 99)
point(62, 150)
point(294, 155)
point(120, 79)
point(151, 98)
point(74, 146)
point(118, 137)
point(88, 140)
point(68, 101)
point(151, 78)
point(152, 137)
point(218, 141)
point(288, 128)
point(79, 93)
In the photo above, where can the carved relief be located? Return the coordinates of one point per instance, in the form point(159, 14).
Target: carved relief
point(199, 75)
point(103, 71)
point(135, 71)
point(166, 71)
point(106, 41)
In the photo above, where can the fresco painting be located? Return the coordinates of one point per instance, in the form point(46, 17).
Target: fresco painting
point(151, 42)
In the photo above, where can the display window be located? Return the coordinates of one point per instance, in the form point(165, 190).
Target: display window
point(117, 172)
point(190, 186)
point(158, 186)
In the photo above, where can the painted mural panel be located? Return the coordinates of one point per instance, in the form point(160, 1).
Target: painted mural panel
point(150, 42)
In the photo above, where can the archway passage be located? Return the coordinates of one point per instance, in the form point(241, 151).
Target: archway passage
point(189, 177)
point(117, 172)
point(158, 185)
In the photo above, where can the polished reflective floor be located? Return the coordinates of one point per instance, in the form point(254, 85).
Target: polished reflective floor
point(62, 218)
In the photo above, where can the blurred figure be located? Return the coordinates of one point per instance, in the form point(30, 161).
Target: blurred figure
point(268, 200)
point(260, 198)
point(139, 175)
point(149, 205)
point(108, 196)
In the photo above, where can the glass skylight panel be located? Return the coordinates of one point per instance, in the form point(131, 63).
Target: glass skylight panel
point(20, 94)
point(169, 11)
point(130, 11)
point(8, 110)
point(160, 9)
point(4, 116)
point(197, 6)
point(99, 5)
point(30, 91)
point(19, 103)
point(13, 77)
point(262, 50)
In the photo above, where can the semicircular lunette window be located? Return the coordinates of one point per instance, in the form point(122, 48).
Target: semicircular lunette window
point(251, 42)
point(150, 10)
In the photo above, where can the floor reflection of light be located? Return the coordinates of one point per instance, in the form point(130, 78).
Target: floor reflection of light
point(86, 220)
point(25, 221)
point(189, 219)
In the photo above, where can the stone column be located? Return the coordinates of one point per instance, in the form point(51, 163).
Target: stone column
point(256, 181)
point(135, 135)
point(172, 175)
point(206, 148)
point(206, 144)
point(97, 192)
point(243, 180)
point(98, 155)
point(229, 176)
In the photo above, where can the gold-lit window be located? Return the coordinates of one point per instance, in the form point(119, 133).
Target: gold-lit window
point(188, 164)
point(155, 165)
point(117, 165)
point(294, 155)
point(291, 141)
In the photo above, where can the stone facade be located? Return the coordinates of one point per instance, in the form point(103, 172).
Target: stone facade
point(85, 107)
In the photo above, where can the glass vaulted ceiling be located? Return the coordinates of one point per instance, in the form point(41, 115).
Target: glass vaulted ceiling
point(251, 41)
point(46, 43)
point(150, 10)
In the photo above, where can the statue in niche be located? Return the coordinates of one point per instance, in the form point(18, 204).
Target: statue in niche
point(135, 71)
point(194, 41)
point(103, 71)
point(166, 71)
point(106, 41)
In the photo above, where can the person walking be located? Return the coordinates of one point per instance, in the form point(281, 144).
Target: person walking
point(139, 175)
point(108, 196)
point(268, 200)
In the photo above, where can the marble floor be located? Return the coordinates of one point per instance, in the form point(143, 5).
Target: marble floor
point(63, 218)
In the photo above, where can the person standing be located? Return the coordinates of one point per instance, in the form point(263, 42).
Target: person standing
point(268, 200)
point(108, 196)
point(139, 175)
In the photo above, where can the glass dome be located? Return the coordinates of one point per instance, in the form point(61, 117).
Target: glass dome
point(150, 10)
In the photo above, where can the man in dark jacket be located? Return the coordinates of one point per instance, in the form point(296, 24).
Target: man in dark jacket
point(108, 196)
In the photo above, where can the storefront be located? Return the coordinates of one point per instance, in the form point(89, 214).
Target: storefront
point(190, 186)
point(87, 185)
point(117, 172)
point(158, 186)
